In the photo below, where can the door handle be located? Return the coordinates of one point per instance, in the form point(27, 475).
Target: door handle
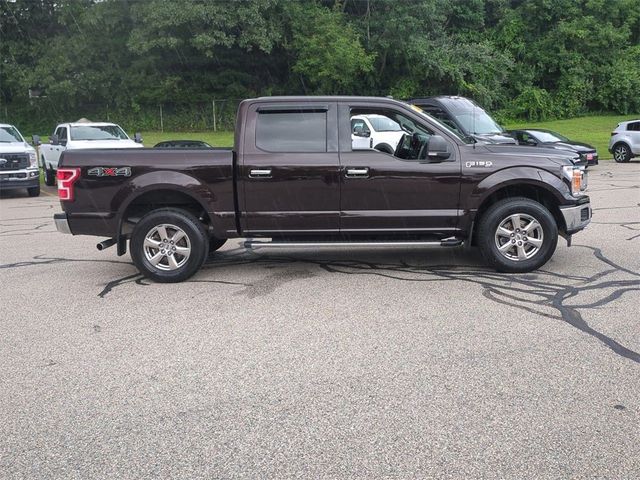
point(357, 172)
point(260, 173)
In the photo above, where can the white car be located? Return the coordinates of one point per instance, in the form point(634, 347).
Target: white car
point(81, 135)
point(625, 141)
point(375, 131)
point(18, 162)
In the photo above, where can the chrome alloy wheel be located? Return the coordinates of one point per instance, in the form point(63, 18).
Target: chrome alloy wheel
point(519, 237)
point(620, 154)
point(167, 247)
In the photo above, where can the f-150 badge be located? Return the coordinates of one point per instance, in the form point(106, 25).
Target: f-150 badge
point(481, 163)
point(110, 172)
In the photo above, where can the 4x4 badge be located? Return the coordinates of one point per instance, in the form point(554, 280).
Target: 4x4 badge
point(110, 171)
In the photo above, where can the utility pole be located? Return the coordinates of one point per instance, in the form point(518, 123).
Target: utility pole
point(213, 108)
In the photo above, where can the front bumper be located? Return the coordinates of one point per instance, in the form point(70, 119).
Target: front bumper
point(14, 179)
point(62, 223)
point(576, 218)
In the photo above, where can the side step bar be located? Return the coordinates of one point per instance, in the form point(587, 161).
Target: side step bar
point(257, 244)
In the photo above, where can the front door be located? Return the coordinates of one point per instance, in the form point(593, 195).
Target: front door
point(402, 193)
point(289, 171)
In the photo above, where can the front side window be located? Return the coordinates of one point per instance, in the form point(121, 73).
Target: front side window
point(10, 135)
point(63, 134)
point(403, 137)
point(292, 131)
point(97, 132)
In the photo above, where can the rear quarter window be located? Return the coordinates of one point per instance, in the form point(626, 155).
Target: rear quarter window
point(633, 127)
point(295, 131)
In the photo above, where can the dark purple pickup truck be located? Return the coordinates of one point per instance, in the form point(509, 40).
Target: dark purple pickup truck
point(304, 172)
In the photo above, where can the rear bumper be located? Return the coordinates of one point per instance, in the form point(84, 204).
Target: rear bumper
point(14, 179)
point(62, 223)
point(576, 218)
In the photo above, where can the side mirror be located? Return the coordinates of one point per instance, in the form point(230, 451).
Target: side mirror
point(35, 140)
point(137, 137)
point(53, 140)
point(437, 149)
point(359, 131)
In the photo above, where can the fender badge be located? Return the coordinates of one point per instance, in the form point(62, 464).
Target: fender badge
point(479, 164)
point(109, 171)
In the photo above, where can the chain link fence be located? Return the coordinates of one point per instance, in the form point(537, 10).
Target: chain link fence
point(41, 115)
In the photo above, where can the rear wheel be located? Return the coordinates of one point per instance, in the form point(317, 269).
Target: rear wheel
point(169, 245)
point(34, 191)
point(621, 153)
point(49, 174)
point(517, 235)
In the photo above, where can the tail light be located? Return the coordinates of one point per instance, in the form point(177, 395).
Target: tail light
point(66, 178)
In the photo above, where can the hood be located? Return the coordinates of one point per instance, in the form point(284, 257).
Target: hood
point(100, 144)
point(570, 146)
point(16, 147)
point(494, 138)
point(561, 157)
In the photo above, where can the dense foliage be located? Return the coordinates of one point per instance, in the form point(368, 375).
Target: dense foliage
point(532, 59)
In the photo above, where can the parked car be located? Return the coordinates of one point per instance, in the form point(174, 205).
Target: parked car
point(18, 162)
point(294, 179)
point(465, 117)
point(625, 141)
point(375, 131)
point(182, 144)
point(81, 135)
point(537, 137)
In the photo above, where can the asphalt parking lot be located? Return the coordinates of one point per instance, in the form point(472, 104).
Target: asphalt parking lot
point(333, 364)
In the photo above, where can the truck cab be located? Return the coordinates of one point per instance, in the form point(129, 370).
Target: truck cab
point(81, 135)
point(18, 162)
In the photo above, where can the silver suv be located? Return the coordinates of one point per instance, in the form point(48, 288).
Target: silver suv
point(625, 141)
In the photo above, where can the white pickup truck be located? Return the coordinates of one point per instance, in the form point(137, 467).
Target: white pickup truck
point(375, 131)
point(18, 162)
point(81, 135)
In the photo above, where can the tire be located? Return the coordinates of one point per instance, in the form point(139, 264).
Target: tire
point(521, 252)
point(621, 153)
point(34, 191)
point(216, 244)
point(49, 175)
point(155, 231)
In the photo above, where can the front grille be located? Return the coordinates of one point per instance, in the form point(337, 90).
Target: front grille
point(14, 161)
point(584, 214)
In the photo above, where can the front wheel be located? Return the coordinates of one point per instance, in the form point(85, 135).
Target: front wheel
point(49, 175)
point(517, 235)
point(621, 153)
point(169, 245)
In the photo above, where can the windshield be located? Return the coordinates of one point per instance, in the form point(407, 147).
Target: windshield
point(544, 137)
point(384, 124)
point(477, 121)
point(98, 132)
point(443, 126)
point(10, 135)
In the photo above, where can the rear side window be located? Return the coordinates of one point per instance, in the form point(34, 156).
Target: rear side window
point(634, 127)
point(292, 131)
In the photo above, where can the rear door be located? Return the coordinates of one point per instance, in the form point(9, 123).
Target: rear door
point(289, 169)
point(383, 193)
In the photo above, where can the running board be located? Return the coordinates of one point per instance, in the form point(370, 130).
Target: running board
point(257, 244)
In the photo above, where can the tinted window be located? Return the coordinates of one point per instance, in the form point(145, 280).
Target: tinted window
point(292, 131)
point(634, 127)
point(63, 134)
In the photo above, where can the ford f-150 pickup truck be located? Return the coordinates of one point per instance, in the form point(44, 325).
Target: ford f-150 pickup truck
point(295, 178)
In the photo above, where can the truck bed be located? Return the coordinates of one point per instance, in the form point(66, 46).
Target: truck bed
point(111, 180)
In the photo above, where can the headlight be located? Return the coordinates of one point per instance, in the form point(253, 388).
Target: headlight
point(33, 160)
point(576, 177)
